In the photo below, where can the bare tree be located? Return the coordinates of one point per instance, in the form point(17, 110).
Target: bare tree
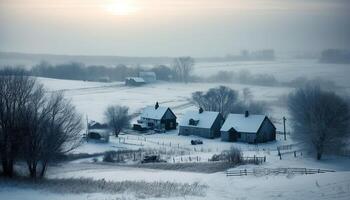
point(320, 119)
point(247, 95)
point(15, 90)
point(62, 129)
point(34, 126)
point(183, 66)
point(226, 100)
point(117, 118)
point(51, 128)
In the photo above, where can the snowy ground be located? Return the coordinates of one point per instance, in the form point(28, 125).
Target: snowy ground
point(92, 98)
point(314, 187)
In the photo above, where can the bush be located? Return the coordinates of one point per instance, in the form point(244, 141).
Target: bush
point(109, 156)
point(234, 155)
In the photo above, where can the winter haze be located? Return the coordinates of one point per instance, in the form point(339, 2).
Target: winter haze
point(174, 99)
point(172, 28)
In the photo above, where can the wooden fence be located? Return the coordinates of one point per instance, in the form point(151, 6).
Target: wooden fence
point(265, 171)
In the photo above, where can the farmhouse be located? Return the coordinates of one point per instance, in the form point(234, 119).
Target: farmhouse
point(134, 81)
point(201, 123)
point(156, 117)
point(248, 128)
point(98, 132)
point(149, 77)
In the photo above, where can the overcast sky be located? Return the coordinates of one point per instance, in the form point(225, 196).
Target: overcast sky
point(172, 27)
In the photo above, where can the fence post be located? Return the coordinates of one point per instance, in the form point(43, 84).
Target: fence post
point(295, 154)
point(245, 170)
point(264, 158)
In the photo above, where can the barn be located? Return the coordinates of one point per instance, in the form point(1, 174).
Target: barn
point(201, 123)
point(248, 128)
point(157, 117)
point(149, 77)
point(134, 81)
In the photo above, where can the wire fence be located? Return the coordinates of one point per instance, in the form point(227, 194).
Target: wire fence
point(266, 171)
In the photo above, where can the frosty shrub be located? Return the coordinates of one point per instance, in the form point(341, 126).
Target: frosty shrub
point(234, 155)
point(320, 119)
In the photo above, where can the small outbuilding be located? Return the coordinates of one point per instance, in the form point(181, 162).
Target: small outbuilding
point(248, 128)
point(98, 132)
point(156, 117)
point(149, 77)
point(134, 81)
point(201, 123)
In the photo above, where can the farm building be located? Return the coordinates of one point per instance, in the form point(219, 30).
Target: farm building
point(156, 117)
point(149, 77)
point(248, 128)
point(201, 123)
point(98, 132)
point(134, 81)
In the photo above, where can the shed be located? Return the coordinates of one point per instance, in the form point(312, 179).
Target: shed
point(98, 131)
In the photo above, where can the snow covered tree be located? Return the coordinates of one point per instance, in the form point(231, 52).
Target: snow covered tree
point(320, 119)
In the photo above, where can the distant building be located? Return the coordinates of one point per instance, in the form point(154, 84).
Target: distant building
point(149, 77)
point(201, 123)
point(105, 79)
point(98, 131)
point(156, 117)
point(248, 128)
point(134, 81)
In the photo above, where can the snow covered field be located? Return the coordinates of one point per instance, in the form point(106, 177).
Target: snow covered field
point(92, 98)
point(283, 69)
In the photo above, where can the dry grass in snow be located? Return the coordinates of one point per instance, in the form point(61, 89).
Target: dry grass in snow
point(141, 189)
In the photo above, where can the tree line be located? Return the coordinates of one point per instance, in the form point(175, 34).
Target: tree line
point(179, 70)
point(35, 126)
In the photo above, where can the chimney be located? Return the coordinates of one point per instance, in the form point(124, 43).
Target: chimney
point(200, 110)
point(246, 113)
point(156, 106)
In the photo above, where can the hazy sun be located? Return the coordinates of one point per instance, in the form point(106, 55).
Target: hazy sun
point(121, 7)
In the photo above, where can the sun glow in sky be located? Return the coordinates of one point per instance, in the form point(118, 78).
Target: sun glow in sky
point(121, 7)
point(172, 27)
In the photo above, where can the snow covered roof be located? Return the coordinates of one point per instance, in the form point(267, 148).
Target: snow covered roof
point(96, 125)
point(205, 119)
point(240, 123)
point(136, 79)
point(152, 113)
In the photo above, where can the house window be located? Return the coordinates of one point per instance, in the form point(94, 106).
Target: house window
point(238, 135)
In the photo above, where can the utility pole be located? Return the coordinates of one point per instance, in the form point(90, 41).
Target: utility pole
point(284, 128)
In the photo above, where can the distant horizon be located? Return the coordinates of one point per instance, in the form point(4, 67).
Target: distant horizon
point(165, 56)
point(171, 28)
